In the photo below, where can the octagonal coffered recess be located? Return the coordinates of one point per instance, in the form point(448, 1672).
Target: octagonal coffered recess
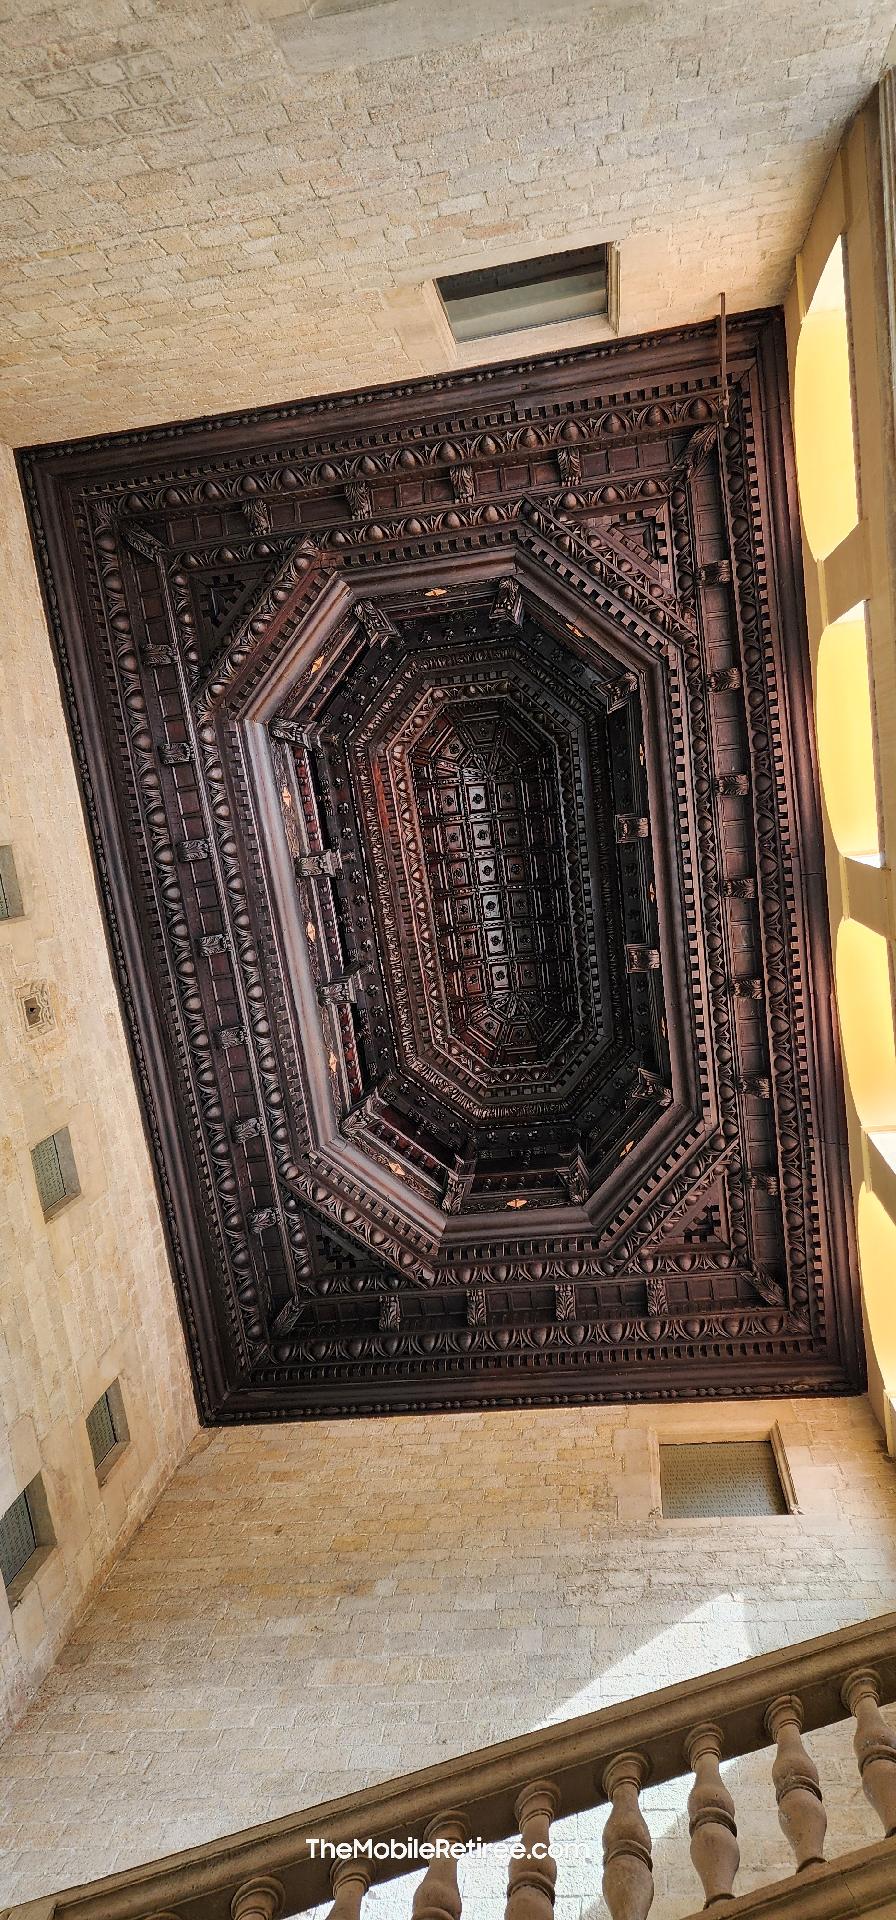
point(465, 892)
point(463, 883)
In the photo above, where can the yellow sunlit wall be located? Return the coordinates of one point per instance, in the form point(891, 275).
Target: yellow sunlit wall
point(845, 721)
point(877, 1253)
point(838, 322)
point(865, 1005)
point(823, 422)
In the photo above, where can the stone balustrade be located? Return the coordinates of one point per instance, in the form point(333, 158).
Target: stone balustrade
point(520, 1787)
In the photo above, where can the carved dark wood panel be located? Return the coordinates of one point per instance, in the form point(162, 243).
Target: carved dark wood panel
point(447, 759)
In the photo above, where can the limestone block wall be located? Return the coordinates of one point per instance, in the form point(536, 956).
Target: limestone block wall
point(313, 1607)
point(222, 203)
point(85, 1298)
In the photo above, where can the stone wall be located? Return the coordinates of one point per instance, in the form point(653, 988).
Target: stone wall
point(221, 202)
point(313, 1607)
point(86, 1297)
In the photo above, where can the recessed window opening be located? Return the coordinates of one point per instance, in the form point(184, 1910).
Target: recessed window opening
point(107, 1429)
point(18, 1540)
point(55, 1172)
point(719, 1479)
point(863, 970)
point(25, 1531)
point(10, 892)
point(539, 292)
point(823, 414)
point(846, 743)
point(328, 9)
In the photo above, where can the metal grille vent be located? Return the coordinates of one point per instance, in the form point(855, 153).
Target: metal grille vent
point(718, 1479)
point(101, 1429)
point(18, 1539)
point(55, 1171)
point(107, 1430)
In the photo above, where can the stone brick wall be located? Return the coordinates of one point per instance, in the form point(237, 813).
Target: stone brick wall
point(312, 1607)
point(219, 203)
point(86, 1297)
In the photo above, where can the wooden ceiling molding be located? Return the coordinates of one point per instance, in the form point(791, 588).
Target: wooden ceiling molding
point(447, 757)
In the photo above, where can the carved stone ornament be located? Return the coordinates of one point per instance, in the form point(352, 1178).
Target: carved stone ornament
point(657, 1296)
point(258, 514)
point(359, 498)
point(36, 1008)
point(642, 959)
point(508, 604)
point(463, 481)
point(733, 785)
point(376, 623)
point(454, 1022)
point(632, 826)
point(622, 691)
point(715, 573)
point(569, 463)
point(725, 680)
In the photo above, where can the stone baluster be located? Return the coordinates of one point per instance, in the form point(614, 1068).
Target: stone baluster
point(438, 1895)
point(875, 1745)
point(260, 1899)
point(713, 1828)
point(531, 1878)
point(628, 1869)
point(349, 1880)
point(801, 1812)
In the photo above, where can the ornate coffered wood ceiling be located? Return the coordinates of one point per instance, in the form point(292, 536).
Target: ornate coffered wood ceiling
point(447, 759)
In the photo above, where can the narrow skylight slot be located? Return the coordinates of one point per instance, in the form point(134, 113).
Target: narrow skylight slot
point(539, 292)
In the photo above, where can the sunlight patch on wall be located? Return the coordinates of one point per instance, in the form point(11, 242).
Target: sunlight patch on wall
point(865, 999)
point(838, 313)
point(823, 417)
point(877, 1256)
point(845, 737)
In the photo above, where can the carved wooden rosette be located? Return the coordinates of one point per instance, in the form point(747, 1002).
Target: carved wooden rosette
point(875, 1745)
point(800, 1810)
point(713, 1827)
point(628, 1862)
point(447, 831)
point(532, 1876)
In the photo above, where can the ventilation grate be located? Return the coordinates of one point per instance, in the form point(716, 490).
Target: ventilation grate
point(721, 1479)
point(55, 1171)
point(101, 1429)
point(107, 1429)
point(18, 1539)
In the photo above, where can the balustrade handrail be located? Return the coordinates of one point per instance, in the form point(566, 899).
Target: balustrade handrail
point(576, 1764)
